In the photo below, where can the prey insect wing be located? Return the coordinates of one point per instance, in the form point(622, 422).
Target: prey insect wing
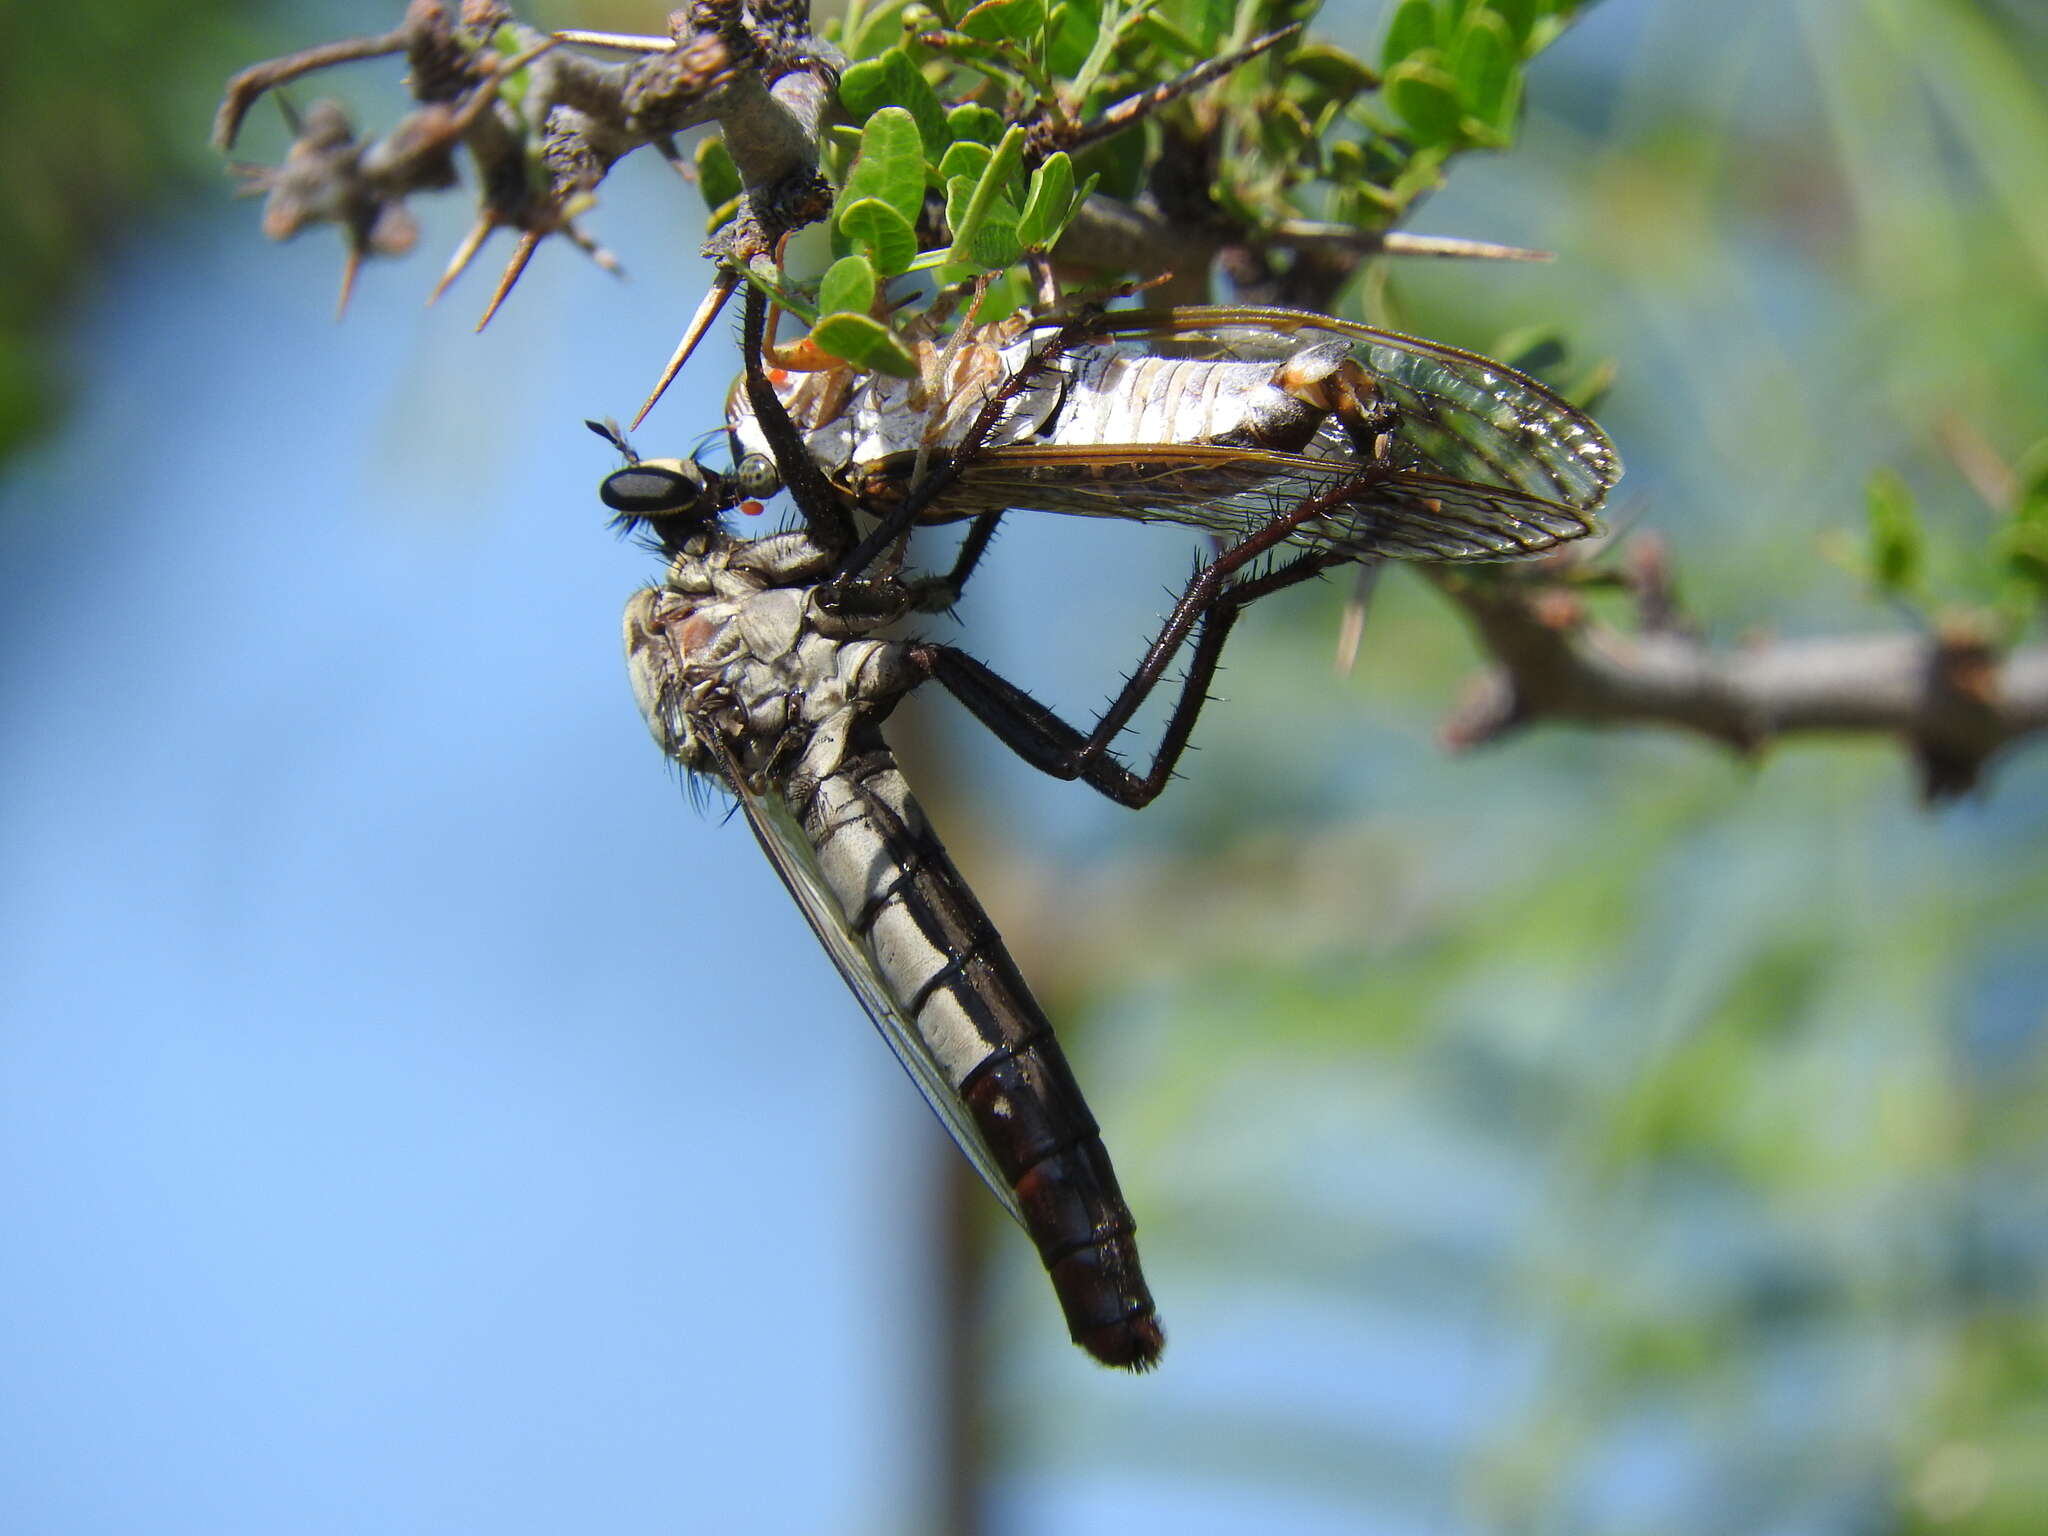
point(1222, 418)
point(1406, 514)
point(1464, 415)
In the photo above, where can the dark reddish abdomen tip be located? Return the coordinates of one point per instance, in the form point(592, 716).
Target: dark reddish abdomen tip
point(1133, 1344)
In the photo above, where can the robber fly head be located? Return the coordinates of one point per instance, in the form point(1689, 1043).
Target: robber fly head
point(675, 497)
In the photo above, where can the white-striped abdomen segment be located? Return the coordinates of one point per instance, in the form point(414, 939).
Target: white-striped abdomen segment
point(1117, 399)
point(952, 978)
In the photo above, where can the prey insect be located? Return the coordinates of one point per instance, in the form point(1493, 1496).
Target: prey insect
point(1217, 418)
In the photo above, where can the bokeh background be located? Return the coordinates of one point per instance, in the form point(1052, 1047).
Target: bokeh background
point(415, 1117)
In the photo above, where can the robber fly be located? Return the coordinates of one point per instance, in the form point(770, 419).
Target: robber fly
point(759, 668)
point(1216, 418)
point(761, 663)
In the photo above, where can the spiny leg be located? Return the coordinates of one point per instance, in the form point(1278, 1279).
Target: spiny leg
point(823, 511)
point(1212, 601)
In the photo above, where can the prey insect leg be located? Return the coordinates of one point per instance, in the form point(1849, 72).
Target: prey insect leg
point(904, 515)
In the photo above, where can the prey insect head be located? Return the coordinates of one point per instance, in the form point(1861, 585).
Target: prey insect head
point(756, 476)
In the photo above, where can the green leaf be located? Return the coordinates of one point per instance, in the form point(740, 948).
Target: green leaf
point(1049, 204)
point(984, 220)
point(965, 159)
point(1336, 74)
point(1897, 543)
point(1520, 16)
point(1075, 26)
point(875, 28)
point(1102, 41)
point(1411, 31)
point(972, 123)
point(1171, 40)
point(1483, 60)
point(985, 229)
point(999, 21)
point(890, 167)
point(881, 233)
point(865, 343)
point(2022, 543)
point(717, 177)
point(1427, 100)
point(848, 286)
point(892, 80)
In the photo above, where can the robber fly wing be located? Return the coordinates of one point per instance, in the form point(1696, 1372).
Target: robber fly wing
point(796, 861)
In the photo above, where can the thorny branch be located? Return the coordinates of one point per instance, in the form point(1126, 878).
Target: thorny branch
point(1947, 695)
point(756, 72)
point(754, 68)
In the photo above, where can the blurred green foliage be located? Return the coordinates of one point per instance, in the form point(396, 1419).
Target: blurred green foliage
point(1679, 1123)
point(103, 113)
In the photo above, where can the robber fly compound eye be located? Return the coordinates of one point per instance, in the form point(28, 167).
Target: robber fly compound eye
point(659, 488)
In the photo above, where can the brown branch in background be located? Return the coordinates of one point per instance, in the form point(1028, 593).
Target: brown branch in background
point(1948, 695)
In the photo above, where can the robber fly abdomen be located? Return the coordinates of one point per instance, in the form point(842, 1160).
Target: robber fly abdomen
point(744, 677)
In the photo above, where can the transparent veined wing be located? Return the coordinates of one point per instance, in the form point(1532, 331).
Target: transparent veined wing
point(796, 862)
point(1407, 514)
point(1479, 462)
point(1465, 416)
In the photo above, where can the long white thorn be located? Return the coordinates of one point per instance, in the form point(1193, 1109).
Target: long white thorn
point(707, 311)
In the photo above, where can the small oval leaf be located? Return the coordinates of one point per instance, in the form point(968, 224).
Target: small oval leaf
point(972, 123)
point(1896, 540)
point(890, 166)
point(1049, 204)
point(865, 343)
point(984, 220)
point(1483, 62)
point(881, 233)
point(967, 159)
point(893, 80)
point(848, 286)
point(1000, 21)
point(1427, 100)
point(1412, 30)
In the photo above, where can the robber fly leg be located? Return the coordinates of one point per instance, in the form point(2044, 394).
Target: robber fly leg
point(823, 511)
point(1049, 744)
point(1208, 607)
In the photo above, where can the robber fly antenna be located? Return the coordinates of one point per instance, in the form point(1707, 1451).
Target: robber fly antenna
point(610, 431)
